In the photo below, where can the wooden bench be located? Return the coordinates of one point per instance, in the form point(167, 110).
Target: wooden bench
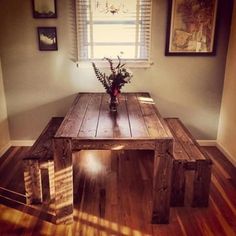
point(188, 156)
point(40, 156)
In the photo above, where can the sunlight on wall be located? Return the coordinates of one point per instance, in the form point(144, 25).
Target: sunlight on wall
point(227, 129)
point(42, 84)
point(4, 132)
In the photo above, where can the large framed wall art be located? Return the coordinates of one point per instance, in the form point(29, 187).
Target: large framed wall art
point(191, 27)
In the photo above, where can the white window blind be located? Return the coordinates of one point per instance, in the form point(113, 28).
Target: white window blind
point(101, 33)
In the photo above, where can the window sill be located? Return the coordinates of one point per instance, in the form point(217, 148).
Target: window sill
point(105, 64)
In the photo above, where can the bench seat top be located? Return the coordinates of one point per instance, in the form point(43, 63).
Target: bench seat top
point(185, 146)
point(42, 148)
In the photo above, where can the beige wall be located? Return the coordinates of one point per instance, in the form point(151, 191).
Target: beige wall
point(42, 84)
point(227, 124)
point(4, 133)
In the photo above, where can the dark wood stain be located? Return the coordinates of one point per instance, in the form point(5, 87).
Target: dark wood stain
point(136, 125)
point(188, 156)
point(127, 182)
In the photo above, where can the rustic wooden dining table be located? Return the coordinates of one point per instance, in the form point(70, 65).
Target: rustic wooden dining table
point(90, 125)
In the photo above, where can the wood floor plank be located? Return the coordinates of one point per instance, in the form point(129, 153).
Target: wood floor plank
point(127, 182)
point(229, 169)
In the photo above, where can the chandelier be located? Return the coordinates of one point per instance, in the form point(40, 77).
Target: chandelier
point(110, 6)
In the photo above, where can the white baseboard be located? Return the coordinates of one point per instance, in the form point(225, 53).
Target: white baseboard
point(4, 149)
point(22, 143)
point(207, 142)
point(228, 155)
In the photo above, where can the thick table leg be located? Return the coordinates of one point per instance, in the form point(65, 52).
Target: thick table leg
point(178, 183)
point(162, 183)
point(201, 184)
point(33, 182)
point(63, 180)
point(51, 176)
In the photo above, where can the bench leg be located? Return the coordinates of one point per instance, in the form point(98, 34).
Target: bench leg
point(201, 184)
point(63, 181)
point(33, 183)
point(178, 183)
point(51, 179)
point(162, 183)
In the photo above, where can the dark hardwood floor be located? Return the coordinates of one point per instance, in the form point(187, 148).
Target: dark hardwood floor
point(125, 209)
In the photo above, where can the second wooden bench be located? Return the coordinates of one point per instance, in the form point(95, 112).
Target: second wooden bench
point(188, 156)
point(40, 156)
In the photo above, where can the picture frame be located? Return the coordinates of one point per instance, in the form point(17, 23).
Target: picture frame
point(44, 8)
point(191, 28)
point(47, 38)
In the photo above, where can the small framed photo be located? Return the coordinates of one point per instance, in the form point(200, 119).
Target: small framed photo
point(44, 8)
point(191, 28)
point(47, 38)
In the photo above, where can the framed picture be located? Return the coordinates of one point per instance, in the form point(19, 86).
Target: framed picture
point(191, 27)
point(44, 8)
point(47, 38)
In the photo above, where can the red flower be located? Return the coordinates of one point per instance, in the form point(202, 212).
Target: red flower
point(116, 92)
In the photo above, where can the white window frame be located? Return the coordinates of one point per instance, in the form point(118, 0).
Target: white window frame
point(80, 33)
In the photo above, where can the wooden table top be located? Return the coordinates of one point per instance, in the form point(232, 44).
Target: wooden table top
point(89, 118)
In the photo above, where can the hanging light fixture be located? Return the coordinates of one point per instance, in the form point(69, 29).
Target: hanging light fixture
point(110, 6)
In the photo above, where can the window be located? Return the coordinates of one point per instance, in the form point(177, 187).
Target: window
point(108, 28)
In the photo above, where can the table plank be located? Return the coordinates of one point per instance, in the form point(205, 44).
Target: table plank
point(71, 125)
point(105, 123)
point(90, 122)
point(137, 124)
point(113, 144)
point(121, 125)
point(153, 123)
point(187, 143)
point(113, 125)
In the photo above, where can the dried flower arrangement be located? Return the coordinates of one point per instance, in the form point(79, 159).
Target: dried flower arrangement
point(116, 80)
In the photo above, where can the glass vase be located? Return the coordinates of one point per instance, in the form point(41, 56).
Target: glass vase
point(113, 103)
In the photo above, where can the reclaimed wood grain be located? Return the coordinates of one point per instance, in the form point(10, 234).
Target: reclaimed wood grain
point(188, 156)
point(201, 183)
point(121, 120)
point(90, 121)
point(186, 139)
point(218, 219)
point(42, 148)
point(63, 180)
point(89, 117)
point(113, 144)
point(40, 156)
point(137, 124)
point(151, 117)
point(178, 183)
point(33, 182)
point(72, 122)
point(162, 183)
point(89, 125)
point(105, 119)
